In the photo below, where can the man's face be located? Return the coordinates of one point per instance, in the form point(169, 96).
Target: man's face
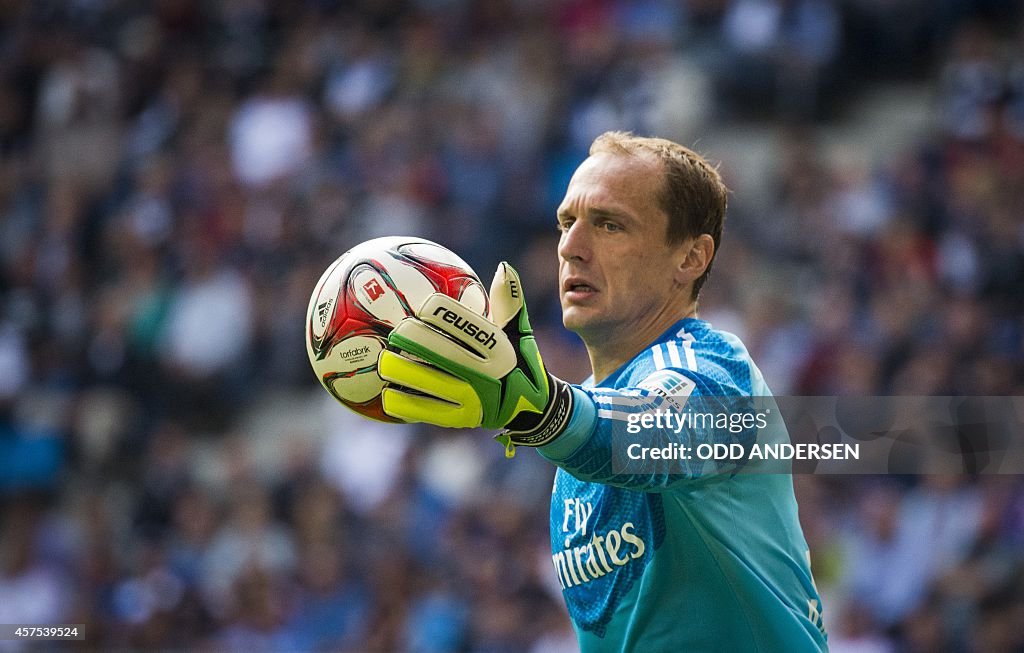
point(616, 270)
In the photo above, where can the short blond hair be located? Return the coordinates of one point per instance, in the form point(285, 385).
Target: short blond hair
point(693, 196)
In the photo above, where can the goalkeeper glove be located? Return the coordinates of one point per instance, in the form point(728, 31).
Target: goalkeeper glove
point(452, 367)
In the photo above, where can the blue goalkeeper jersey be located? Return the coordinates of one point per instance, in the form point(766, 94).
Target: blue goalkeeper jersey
point(705, 560)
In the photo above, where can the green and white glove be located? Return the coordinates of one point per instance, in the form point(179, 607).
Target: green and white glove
point(452, 367)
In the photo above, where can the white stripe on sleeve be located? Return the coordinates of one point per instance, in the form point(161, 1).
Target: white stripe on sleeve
point(613, 414)
point(691, 357)
point(659, 358)
point(673, 354)
point(631, 400)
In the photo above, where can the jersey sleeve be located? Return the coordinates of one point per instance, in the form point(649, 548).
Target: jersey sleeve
point(596, 445)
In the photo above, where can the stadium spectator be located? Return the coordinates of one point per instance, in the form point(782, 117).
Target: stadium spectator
point(165, 164)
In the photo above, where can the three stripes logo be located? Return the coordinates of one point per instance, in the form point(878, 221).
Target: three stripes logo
point(324, 311)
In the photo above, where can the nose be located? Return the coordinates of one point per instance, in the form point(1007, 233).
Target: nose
point(574, 244)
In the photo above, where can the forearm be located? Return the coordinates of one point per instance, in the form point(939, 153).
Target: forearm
point(587, 447)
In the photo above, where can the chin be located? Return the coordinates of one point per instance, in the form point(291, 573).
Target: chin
point(574, 319)
point(570, 319)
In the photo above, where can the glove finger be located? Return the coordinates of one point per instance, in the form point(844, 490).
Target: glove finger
point(451, 402)
point(417, 408)
point(440, 350)
point(460, 335)
point(421, 377)
point(506, 295)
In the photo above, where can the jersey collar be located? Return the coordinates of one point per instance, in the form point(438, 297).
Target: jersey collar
point(692, 325)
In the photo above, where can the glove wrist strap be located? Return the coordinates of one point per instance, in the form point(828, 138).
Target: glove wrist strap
point(551, 424)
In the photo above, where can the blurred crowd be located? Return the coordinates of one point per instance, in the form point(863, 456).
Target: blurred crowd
point(175, 175)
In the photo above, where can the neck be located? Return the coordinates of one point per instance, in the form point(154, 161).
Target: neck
point(609, 352)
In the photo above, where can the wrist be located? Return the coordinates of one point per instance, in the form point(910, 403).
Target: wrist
point(535, 430)
point(577, 432)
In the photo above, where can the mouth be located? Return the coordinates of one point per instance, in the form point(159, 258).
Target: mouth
point(575, 288)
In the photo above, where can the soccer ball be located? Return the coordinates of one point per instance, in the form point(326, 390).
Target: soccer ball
point(362, 296)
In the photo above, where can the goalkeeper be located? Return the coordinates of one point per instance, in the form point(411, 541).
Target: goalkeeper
point(704, 560)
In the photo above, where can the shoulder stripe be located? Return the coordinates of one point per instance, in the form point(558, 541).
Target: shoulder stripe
point(673, 354)
point(659, 358)
point(691, 356)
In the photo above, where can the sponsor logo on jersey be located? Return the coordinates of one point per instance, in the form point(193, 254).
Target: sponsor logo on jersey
point(601, 555)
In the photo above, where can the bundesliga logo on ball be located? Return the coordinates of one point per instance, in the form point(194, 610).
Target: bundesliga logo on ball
point(362, 296)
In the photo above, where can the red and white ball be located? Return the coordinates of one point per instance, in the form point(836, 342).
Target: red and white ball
point(362, 296)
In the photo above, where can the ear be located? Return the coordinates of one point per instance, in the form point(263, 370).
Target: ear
point(697, 255)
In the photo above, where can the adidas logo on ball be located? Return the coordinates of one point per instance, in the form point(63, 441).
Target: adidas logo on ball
point(324, 310)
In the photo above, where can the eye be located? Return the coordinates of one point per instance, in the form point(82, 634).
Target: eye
point(611, 227)
point(565, 223)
